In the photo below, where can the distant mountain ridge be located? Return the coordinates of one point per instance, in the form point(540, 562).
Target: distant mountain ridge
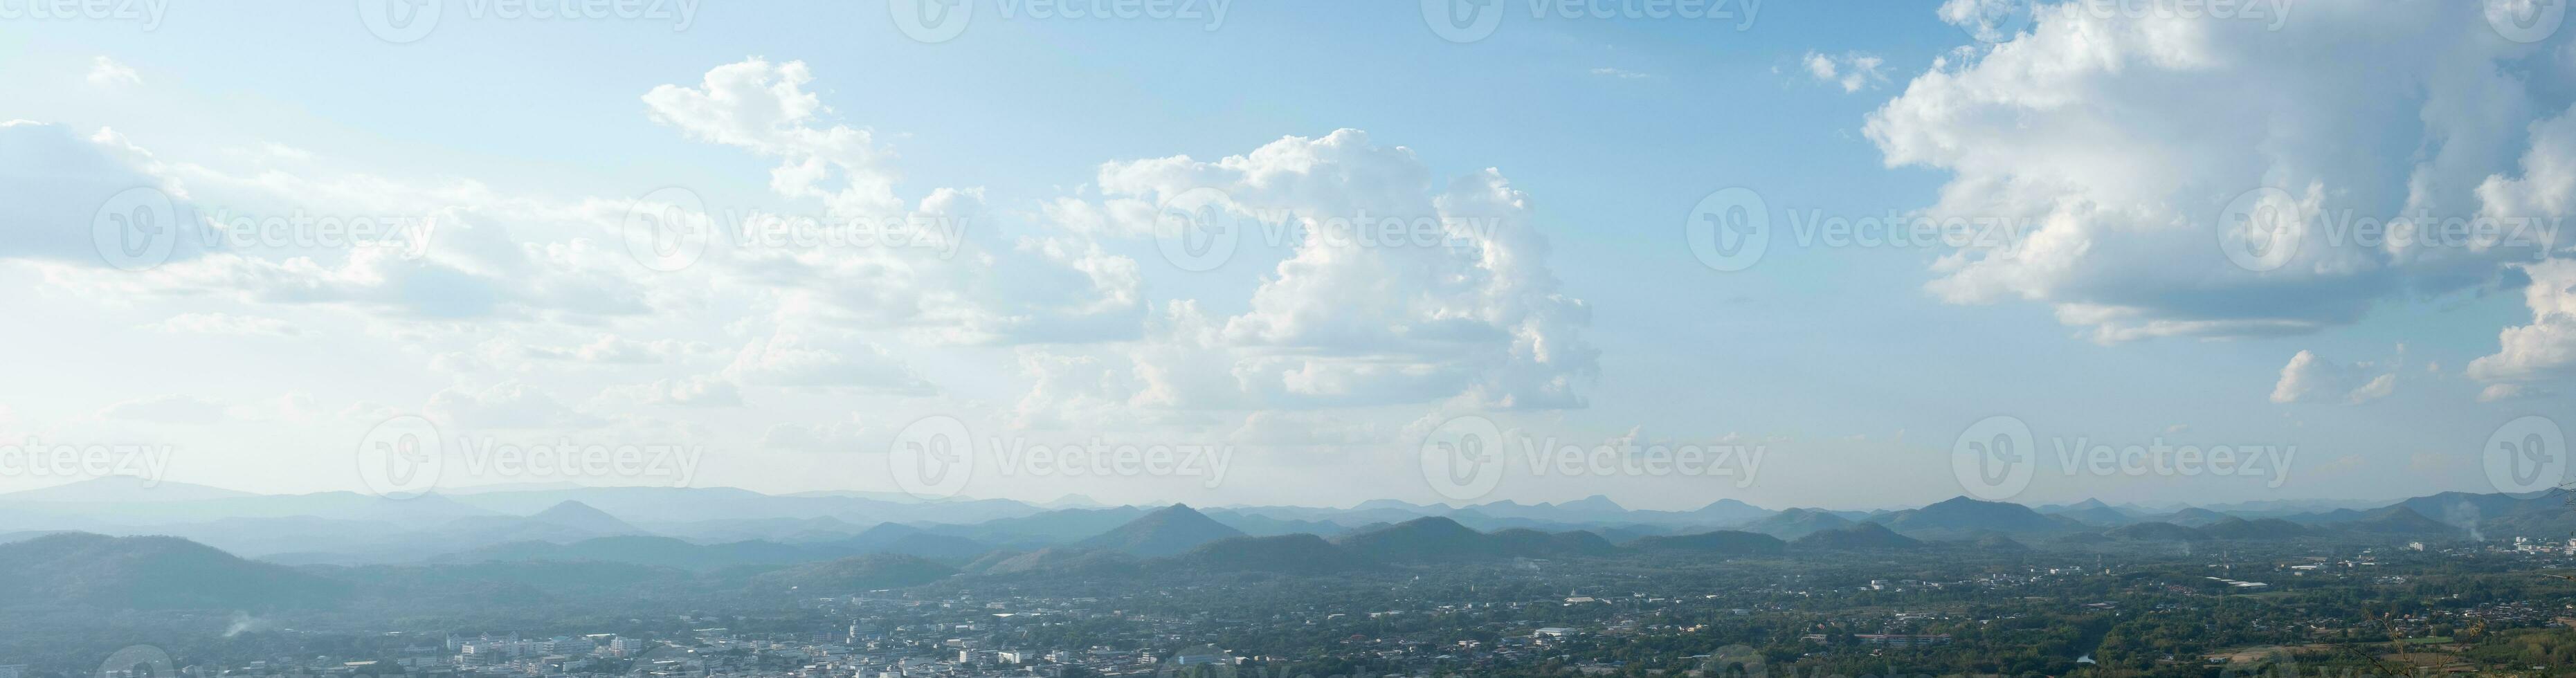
point(1167, 531)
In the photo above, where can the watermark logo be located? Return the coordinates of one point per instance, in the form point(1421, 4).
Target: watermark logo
point(2527, 454)
point(1729, 229)
point(1988, 21)
point(138, 661)
point(672, 228)
point(33, 457)
point(2526, 21)
point(2261, 229)
point(137, 229)
point(400, 21)
point(2265, 228)
point(142, 228)
point(1463, 458)
point(937, 21)
point(931, 21)
point(1465, 21)
point(408, 21)
point(1199, 229)
point(1994, 458)
point(1734, 661)
point(667, 230)
point(1200, 661)
point(145, 12)
point(933, 457)
point(1462, 20)
point(1467, 456)
point(401, 457)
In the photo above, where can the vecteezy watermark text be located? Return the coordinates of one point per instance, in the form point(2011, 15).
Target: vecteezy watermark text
point(407, 455)
point(935, 21)
point(1473, 20)
point(148, 13)
point(936, 456)
point(2265, 228)
point(1466, 458)
point(405, 21)
point(1732, 228)
point(142, 227)
point(1996, 458)
point(670, 228)
point(1200, 229)
point(33, 457)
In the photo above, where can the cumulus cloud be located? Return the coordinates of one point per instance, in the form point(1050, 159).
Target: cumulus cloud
point(2118, 142)
point(2308, 378)
point(979, 285)
point(1343, 321)
point(2545, 349)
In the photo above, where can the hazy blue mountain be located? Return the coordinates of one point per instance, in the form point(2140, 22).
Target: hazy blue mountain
point(855, 574)
point(1061, 560)
point(2191, 517)
point(121, 489)
point(1167, 531)
point(1965, 515)
point(2400, 520)
point(2155, 531)
point(2262, 528)
point(1721, 542)
point(1293, 554)
point(1797, 522)
point(1437, 539)
point(1857, 536)
point(151, 573)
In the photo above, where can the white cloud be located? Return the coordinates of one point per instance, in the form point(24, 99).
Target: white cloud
point(764, 107)
point(2545, 349)
point(990, 288)
point(2503, 392)
point(106, 72)
point(2095, 130)
point(1852, 70)
point(1620, 74)
point(1341, 322)
point(2308, 378)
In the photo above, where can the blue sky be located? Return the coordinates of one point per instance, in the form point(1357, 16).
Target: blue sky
point(1853, 369)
